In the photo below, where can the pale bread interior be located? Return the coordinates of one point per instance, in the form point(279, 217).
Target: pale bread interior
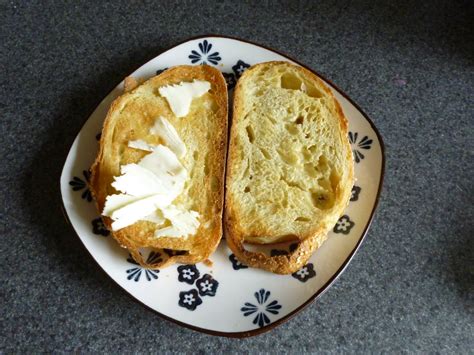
point(290, 169)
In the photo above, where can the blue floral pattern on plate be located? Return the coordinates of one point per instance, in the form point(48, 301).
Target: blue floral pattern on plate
point(305, 273)
point(355, 193)
point(205, 286)
point(343, 225)
point(159, 71)
point(136, 272)
point(239, 68)
point(78, 184)
point(189, 299)
point(203, 56)
point(230, 80)
point(99, 228)
point(236, 264)
point(188, 273)
point(262, 308)
point(364, 143)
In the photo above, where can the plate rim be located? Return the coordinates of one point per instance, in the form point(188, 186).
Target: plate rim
point(327, 285)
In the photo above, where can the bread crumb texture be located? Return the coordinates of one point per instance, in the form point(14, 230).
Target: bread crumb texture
point(290, 170)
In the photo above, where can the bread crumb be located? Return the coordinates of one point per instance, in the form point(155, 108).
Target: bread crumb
point(208, 262)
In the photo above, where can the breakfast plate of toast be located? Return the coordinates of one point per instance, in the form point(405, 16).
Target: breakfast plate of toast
point(224, 185)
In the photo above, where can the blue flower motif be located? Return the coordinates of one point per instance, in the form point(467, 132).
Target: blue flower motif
point(188, 273)
point(355, 193)
point(135, 273)
point(277, 252)
point(203, 57)
point(172, 252)
point(207, 286)
point(230, 80)
point(344, 225)
point(78, 184)
point(305, 273)
point(159, 71)
point(98, 227)
point(239, 68)
point(364, 143)
point(189, 299)
point(236, 264)
point(262, 308)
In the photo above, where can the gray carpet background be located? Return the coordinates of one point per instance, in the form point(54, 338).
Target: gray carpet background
point(408, 64)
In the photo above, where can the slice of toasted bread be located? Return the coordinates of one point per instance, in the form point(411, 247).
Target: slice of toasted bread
point(204, 133)
point(290, 168)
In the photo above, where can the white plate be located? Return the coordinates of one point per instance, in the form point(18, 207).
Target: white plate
point(226, 299)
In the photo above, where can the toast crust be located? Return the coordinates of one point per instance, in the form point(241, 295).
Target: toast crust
point(204, 132)
point(238, 232)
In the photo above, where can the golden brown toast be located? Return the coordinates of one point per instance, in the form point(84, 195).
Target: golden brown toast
point(290, 169)
point(204, 133)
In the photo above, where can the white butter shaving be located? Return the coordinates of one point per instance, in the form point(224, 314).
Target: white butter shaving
point(164, 161)
point(141, 144)
point(151, 184)
point(150, 187)
point(140, 182)
point(181, 95)
point(114, 202)
point(135, 211)
point(184, 223)
point(155, 217)
point(166, 131)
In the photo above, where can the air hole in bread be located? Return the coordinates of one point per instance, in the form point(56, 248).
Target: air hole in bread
point(324, 183)
point(306, 154)
point(195, 155)
point(290, 81)
point(214, 106)
point(313, 92)
point(302, 219)
point(294, 184)
point(214, 184)
point(206, 165)
point(265, 153)
point(334, 178)
point(250, 133)
point(299, 120)
point(288, 157)
point(247, 189)
point(291, 128)
point(310, 170)
point(321, 200)
point(322, 164)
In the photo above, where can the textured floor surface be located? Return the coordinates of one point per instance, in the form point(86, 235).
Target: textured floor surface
point(409, 65)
